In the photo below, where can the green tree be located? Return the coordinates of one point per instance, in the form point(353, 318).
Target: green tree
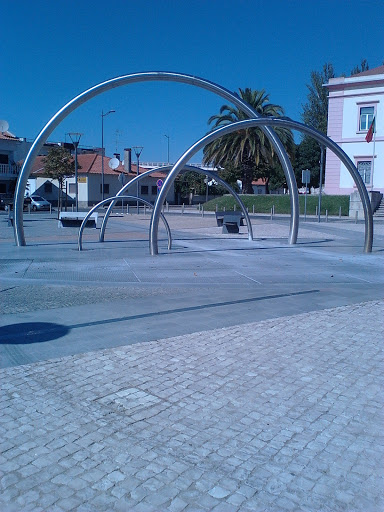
point(359, 69)
point(315, 111)
point(247, 150)
point(59, 164)
point(315, 114)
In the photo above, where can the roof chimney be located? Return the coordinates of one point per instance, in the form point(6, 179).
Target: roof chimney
point(128, 159)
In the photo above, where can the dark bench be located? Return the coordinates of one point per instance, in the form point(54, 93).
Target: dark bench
point(231, 221)
point(75, 219)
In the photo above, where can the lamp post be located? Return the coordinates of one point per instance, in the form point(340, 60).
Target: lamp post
point(168, 148)
point(137, 150)
point(75, 138)
point(102, 150)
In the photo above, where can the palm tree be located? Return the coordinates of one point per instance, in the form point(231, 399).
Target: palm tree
point(248, 148)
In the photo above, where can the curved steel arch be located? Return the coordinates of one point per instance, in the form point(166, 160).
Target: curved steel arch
point(146, 77)
point(94, 208)
point(251, 123)
point(167, 168)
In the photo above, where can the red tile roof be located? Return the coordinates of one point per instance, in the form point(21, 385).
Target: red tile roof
point(90, 163)
point(259, 181)
point(8, 136)
point(375, 71)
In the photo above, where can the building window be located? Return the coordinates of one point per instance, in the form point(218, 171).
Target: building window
point(364, 167)
point(144, 190)
point(154, 190)
point(72, 188)
point(366, 118)
point(106, 188)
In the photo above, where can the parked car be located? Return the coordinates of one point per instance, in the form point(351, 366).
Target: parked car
point(39, 203)
point(5, 201)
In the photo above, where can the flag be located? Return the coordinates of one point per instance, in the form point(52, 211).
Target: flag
point(371, 131)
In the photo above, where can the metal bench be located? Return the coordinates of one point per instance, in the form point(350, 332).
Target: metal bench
point(231, 221)
point(74, 219)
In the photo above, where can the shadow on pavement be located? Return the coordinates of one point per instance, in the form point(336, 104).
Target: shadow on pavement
point(31, 332)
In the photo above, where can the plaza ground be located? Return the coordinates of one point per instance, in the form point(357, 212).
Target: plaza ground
point(225, 374)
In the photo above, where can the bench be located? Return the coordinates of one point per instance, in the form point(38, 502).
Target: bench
point(231, 221)
point(75, 219)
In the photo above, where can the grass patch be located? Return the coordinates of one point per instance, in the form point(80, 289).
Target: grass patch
point(264, 203)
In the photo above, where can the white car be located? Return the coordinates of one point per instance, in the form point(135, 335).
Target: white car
point(39, 203)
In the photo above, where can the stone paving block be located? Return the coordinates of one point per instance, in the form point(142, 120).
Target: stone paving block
point(223, 448)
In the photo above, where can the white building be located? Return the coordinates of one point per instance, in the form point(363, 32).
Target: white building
point(353, 104)
point(90, 182)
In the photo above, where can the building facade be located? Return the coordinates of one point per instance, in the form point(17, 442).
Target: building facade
point(90, 182)
point(354, 102)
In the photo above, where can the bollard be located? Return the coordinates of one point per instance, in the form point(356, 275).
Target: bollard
point(326, 215)
point(271, 213)
point(199, 206)
point(356, 216)
point(234, 207)
point(145, 209)
point(167, 207)
point(340, 212)
point(72, 207)
point(224, 209)
point(216, 207)
point(273, 208)
point(253, 208)
point(202, 211)
point(182, 208)
point(317, 210)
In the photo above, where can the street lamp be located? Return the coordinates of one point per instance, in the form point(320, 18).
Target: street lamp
point(168, 148)
point(137, 150)
point(75, 138)
point(102, 150)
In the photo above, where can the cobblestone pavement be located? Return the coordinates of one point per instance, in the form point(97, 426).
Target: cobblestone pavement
point(279, 415)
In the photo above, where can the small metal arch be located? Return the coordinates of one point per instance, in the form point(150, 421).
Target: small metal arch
point(187, 168)
point(251, 123)
point(146, 77)
point(105, 201)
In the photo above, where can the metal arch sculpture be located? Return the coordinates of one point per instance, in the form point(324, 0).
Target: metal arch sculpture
point(167, 168)
point(105, 201)
point(251, 123)
point(146, 77)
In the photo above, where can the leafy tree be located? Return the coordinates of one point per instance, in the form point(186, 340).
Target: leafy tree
point(247, 150)
point(315, 111)
point(58, 165)
point(315, 114)
point(359, 69)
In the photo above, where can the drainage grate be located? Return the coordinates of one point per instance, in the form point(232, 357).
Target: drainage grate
point(131, 399)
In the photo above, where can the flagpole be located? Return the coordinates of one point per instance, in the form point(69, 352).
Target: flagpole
point(373, 157)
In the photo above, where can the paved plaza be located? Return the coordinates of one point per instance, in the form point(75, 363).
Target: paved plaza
point(225, 374)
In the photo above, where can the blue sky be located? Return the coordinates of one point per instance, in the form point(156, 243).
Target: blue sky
point(53, 51)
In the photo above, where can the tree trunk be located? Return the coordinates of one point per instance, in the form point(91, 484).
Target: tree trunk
point(247, 177)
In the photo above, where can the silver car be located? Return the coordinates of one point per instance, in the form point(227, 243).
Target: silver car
point(39, 203)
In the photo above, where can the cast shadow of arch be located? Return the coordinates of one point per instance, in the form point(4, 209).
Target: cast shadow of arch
point(31, 332)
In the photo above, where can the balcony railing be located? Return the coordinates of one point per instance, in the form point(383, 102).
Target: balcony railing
point(9, 170)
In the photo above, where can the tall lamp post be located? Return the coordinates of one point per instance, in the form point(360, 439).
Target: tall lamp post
point(137, 150)
point(168, 148)
point(75, 138)
point(102, 149)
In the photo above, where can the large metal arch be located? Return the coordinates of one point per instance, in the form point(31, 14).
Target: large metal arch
point(187, 168)
point(146, 77)
point(105, 201)
point(251, 123)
